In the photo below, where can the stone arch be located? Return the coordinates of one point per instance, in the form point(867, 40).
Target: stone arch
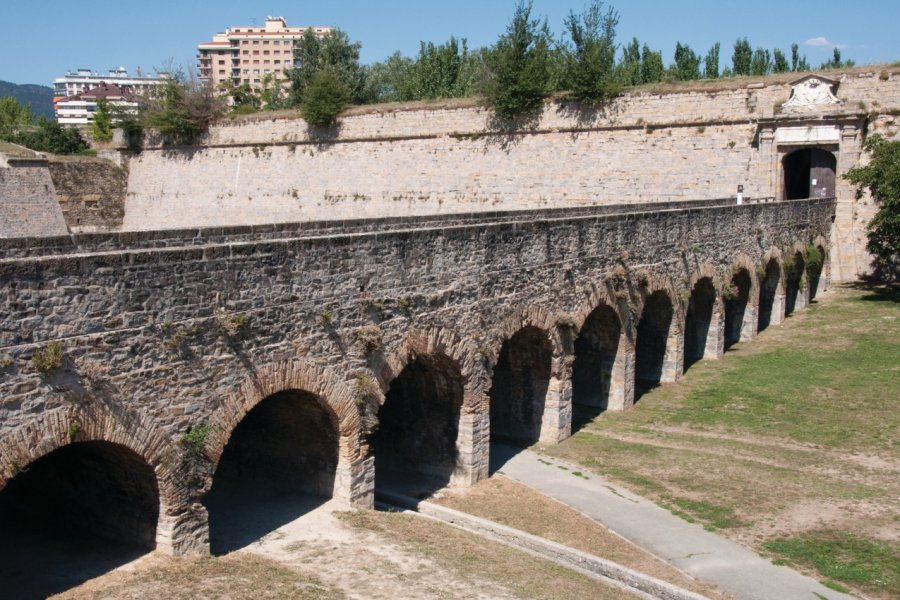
point(659, 340)
point(520, 386)
point(741, 299)
point(819, 274)
point(456, 378)
point(771, 290)
point(704, 316)
point(796, 283)
point(808, 173)
point(88, 492)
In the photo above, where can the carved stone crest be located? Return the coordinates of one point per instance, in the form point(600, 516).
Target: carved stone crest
point(812, 91)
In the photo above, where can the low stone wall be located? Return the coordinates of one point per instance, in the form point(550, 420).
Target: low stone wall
point(28, 205)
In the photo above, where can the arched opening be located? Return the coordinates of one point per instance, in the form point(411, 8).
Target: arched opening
point(815, 266)
point(652, 342)
point(809, 173)
point(519, 387)
point(415, 442)
point(279, 463)
point(698, 321)
point(768, 289)
point(794, 283)
point(737, 298)
point(596, 348)
point(74, 514)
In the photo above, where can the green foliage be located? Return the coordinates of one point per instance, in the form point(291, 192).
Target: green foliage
point(836, 62)
point(14, 118)
point(183, 110)
point(101, 126)
point(761, 63)
point(882, 178)
point(369, 339)
point(333, 52)
point(630, 67)
point(813, 258)
point(196, 436)
point(780, 63)
point(652, 70)
point(871, 564)
point(49, 358)
point(324, 99)
point(518, 67)
point(50, 136)
point(742, 57)
point(438, 72)
point(74, 429)
point(590, 59)
point(687, 63)
point(711, 63)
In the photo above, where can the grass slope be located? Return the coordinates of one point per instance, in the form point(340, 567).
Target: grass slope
point(788, 444)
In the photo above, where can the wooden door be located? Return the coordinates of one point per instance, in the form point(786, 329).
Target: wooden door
point(821, 174)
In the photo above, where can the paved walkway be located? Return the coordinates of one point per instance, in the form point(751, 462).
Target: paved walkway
point(734, 568)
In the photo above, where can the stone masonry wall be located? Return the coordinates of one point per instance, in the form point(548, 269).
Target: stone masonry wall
point(28, 205)
point(90, 191)
point(149, 350)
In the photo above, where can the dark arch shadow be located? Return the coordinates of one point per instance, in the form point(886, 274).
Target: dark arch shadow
point(75, 514)
point(793, 283)
point(596, 348)
point(519, 388)
point(698, 320)
point(768, 288)
point(415, 442)
point(814, 270)
point(279, 464)
point(651, 342)
point(736, 301)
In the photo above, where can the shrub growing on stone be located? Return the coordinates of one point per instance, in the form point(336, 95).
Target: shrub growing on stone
point(49, 358)
point(325, 97)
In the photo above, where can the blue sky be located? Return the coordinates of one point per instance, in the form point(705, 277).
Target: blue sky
point(58, 35)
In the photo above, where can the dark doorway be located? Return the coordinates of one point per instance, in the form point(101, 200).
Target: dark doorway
point(519, 388)
point(768, 289)
point(596, 348)
point(75, 514)
point(279, 463)
point(652, 341)
point(793, 277)
point(809, 173)
point(698, 321)
point(415, 443)
point(737, 297)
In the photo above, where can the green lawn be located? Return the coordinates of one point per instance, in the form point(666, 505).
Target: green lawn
point(790, 443)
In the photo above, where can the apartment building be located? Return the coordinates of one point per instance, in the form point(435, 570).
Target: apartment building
point(80, 109)
point(73, 99)
point(242, 55)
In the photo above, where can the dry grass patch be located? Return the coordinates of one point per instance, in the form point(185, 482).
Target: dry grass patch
point(505, 501)
point(236, 576)
point(471, 557)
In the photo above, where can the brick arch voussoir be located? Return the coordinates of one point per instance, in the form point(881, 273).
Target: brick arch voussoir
point(332, 393)
point(440, 341)
point(707, 270)
point(534, 316)
point(602, 295)
point(775, 254)
point(93, 422)
point(663, 282)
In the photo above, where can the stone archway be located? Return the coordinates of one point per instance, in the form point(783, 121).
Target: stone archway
point(796, 283)
point(75, 513)
point(415, 444)
point(279, 463)
point(656, 345)
point(738, 308)
point(598, 369)
point(771, 308)
point(519, 388)
point(700, 324)
point(816, 267)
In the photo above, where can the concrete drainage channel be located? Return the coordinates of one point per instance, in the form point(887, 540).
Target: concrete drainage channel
point(605, 570)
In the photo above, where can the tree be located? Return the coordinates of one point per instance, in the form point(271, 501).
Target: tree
point(49, 136)
point(14, 118)
point(101, 126)
point(630, 67)
point(836, 62)
point(335, 52)
point(652, 69)
point(325, 97)
point(386, 79)
point(687, 63)
point(437, 72)
point(591, 56)
point(761, 63)
point(183, 109)
point(518, 77)
point(798, 63)
point(742, 57)
point(780, 61)
point(711, 62)
point(882, 178)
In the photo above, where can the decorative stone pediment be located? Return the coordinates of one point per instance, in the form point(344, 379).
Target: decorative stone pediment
point(811, 92)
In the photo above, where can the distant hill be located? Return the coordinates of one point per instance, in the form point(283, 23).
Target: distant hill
point(39, 97)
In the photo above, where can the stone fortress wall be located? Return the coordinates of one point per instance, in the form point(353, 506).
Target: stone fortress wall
point(646, 147)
